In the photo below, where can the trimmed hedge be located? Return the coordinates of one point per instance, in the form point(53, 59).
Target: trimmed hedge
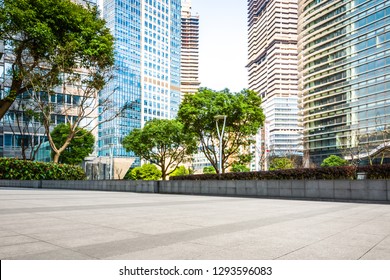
point(15, 169)
point(322, 173)
point(376, 171)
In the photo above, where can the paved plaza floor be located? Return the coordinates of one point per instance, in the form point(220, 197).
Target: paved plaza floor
point(66, 224)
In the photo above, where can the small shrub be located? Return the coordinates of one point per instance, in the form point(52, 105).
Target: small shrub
point(180, 171)
point(147, 172)
point(239, 168)
point(281, 163)
point(209, 170)
point(16, 169)
point(334, 161)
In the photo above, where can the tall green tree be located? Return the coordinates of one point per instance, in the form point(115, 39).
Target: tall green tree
point(244, 117)
point(47, 38)
point(80, 147)
point(57, 47)
point(162, 142)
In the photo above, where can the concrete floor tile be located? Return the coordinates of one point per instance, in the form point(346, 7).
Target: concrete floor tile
point(377, 254)
point(7, 233)
point(25, 249)
point(109, 225)
point(325, 252)
point(14, 240)
point(178, 251)
point(60, 254)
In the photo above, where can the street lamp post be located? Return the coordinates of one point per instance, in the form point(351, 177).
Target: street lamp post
point(111, 159)
point(220, 136)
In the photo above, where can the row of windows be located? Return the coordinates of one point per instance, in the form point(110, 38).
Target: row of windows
point(11, 140)
point(366, 31)
point(325, 17)
point(356, 83)
point(361, 46)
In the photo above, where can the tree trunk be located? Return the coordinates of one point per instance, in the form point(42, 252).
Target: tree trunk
point(4, 106)
point(56, 157)
point(15, 90)
point(163, 175)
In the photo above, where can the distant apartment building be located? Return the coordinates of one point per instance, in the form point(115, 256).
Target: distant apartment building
point(273, 74)
point(190, 66)
point(344, 80)
point(147, 67)
point(189, 49)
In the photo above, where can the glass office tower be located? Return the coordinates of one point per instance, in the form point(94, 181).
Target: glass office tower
point(344, 64)
point(147, 66)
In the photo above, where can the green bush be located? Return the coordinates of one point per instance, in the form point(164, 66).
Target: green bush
point(209, 170)
point(147, 172)
point(334, 161)
point(180, 171)
point(239, 168)
point(16, 169)
point(281, 163)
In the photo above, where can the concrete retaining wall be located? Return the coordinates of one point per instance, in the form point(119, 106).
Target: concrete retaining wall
point(343, 190)
point(98, 185)
point(362, 190)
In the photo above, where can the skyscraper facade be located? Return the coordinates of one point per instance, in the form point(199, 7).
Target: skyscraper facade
point(273, 73)
point(146, 82)
point(344, 66)
point(190, 49)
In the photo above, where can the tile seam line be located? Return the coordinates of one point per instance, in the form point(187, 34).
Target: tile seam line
point(369, 250)
point(371, 219)
point(295, 216)
point(47, 242)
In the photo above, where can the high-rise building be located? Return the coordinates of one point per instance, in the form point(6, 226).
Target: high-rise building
point(147, 66)
point(189, 49)
point(273, 73)
point(344, 66)
point(190, 66)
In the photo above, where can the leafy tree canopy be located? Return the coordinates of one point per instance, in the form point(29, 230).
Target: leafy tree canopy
point(334, 160)
point(244, 117)
point(162, 142)
point(45, 38)
point(147, 172)
point(80, 146)
point(281, 163)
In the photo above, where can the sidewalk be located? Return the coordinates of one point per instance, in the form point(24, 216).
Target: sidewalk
point(61, 224)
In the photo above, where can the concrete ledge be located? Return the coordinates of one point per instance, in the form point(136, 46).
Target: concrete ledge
point(342, 189)
point(339, 190)
point(107, 185)
point(312, 189)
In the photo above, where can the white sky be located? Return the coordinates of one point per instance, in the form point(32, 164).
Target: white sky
point(223, 43)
